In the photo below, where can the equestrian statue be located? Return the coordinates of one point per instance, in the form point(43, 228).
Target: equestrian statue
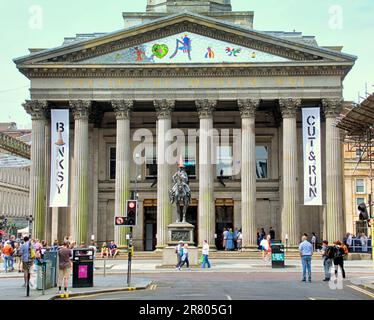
point(180, 193)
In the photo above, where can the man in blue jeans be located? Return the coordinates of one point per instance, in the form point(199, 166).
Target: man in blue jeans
point(306, 251)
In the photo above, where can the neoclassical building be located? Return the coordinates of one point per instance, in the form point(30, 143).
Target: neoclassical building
point(187, 65)
point(14, 174)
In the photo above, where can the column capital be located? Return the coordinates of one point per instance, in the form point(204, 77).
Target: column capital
point(122, 108)
point(289, 107)
point(332, 107)
point(164, 108)
point(248, 107)
point(36, 108)
point(81, 109)
point(205, 107)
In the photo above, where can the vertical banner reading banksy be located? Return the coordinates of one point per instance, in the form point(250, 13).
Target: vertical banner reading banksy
point(59, 158)
point(312, 157)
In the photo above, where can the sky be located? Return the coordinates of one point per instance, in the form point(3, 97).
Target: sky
point(44, 24)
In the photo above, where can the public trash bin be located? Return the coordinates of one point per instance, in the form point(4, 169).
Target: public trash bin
point(83, 268)
point(277, 255)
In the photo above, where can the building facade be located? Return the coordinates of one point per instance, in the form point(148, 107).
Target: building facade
point(14, 177)
point(192, 69)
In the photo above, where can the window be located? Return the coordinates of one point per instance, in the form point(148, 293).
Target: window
point(359, 201)
point(262, 162)
point(112, 163)
point(360, 186)
point(150, 162)
point(190, 161)
point(224, 161)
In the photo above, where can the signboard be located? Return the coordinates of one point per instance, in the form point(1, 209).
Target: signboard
point(83, 272)
point(312, 157)
point(59, 186)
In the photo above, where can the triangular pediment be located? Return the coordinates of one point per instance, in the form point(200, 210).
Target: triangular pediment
point(185, 47)
point(182, 39)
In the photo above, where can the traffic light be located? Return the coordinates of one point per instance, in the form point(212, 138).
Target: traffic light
point(131, 210)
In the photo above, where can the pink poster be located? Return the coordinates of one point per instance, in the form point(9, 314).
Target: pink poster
point(82, 272)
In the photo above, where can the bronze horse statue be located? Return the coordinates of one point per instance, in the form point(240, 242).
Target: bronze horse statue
point(180, 194)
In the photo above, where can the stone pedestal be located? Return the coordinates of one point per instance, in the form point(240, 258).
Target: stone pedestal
point(180, 231)
point(176, 232)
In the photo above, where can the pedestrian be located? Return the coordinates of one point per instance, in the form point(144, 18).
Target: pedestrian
point(258, 239)
point(236, 232)
point(306, 252)
point(364, 242)
point(314, 241)
point(64, 266)
point(240, 240)
point(27, 255)
point(184, 257)
point(113, 249)
point(55, 246)
point(266, 248)
point(263, 233)
point(17, 256)
point(328, 254)
point(8, 256)
point(338, 259)
point(349, 240)
point(104, 250)
point(224, 237)
point(205, 253)
point(272, 233)
point(230, 240)
point(178, 249)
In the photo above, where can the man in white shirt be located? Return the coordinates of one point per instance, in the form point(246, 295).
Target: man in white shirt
point(205, 253)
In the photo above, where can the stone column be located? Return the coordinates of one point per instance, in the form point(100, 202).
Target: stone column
point(290, 214)
point(248, 171)
point(122, 109)
point(206, 215)
point(37, 202)
point(81, 109)
point(334, 187)
point(164, 210)
point(48, 219)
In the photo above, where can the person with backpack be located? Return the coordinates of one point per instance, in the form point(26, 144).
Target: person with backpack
point(328, 254)
point(27, 253)
point(338, 259)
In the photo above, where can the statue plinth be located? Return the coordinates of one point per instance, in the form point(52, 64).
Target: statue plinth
point(179, 231)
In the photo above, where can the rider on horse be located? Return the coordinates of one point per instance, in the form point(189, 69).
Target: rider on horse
point(180, 180)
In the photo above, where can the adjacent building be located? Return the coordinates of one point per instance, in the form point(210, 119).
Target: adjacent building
point(14, 176)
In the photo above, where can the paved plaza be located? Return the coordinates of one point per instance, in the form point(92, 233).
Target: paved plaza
point(232, 279)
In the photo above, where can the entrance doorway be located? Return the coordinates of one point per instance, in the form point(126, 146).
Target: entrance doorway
point(191, 217)
point(150, 228)
point(224, 219)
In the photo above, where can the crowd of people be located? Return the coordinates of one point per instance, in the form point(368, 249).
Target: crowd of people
point(232, 240)
point(27, 255)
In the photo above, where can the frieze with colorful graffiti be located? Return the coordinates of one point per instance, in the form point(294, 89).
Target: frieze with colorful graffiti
point(186, 47)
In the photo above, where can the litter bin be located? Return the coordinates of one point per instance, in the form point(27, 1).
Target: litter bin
point(52, 256)
point(83, 268)
point(277, 255)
